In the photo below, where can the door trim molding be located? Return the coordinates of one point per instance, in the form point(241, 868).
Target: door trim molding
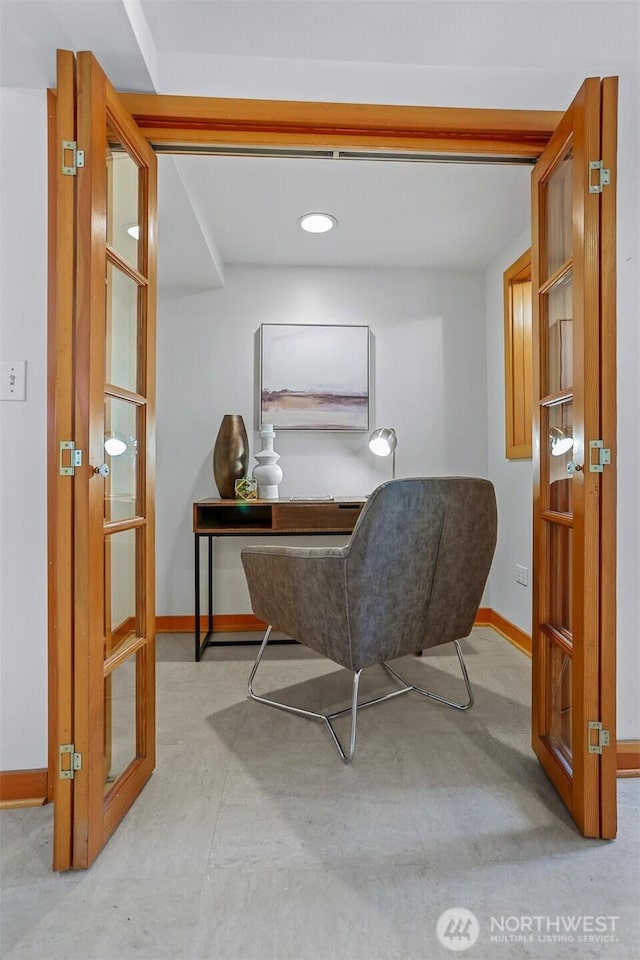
point(248, 623)
point(222, 623)
point(628, 758)
point(23, 788)
point(516, 637)
point(517, 347)
point(176, 121)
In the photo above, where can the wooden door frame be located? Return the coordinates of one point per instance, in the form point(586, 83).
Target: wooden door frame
point(609, 421)
point(60, 426)
point(517, 402)
point(177, 125)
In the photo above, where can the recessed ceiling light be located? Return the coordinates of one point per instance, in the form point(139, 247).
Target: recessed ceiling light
point(134, 231)
point(317, 222)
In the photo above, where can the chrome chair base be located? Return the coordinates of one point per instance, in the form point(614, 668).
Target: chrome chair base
point(433, 696)
point(347, 755)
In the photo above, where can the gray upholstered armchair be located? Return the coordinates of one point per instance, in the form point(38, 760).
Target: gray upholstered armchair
point(411, 577)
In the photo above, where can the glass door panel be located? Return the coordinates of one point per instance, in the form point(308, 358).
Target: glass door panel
point(560, 573)
point(120, 720)
point(559, 215)
point(560, 479)
point(554, 560)
point(121, 456)
point(559, 720)
point(121, 622)
point(560, 348)
point(122, 329)
point(123, 200)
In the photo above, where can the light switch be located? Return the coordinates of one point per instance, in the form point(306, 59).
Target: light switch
point(13, 379)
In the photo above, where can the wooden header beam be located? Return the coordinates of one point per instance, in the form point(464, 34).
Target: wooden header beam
point(181, 122)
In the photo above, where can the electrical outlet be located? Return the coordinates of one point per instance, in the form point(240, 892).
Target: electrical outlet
point(522, 574)
point(13, 379)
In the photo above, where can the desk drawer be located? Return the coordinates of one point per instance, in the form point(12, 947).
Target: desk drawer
point(315, 517)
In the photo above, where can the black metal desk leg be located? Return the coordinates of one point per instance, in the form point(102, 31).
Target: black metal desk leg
point(210, 621)
point(196, 540)
point(207, 641)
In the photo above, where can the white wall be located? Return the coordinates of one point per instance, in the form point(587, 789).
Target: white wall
point(428, 381)
point(511, 478)
point(23, 463)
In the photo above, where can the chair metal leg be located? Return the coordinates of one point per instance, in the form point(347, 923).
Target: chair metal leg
point(433, 696)
point(347, 755)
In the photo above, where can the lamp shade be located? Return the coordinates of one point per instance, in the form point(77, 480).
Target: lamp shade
point(383, 441)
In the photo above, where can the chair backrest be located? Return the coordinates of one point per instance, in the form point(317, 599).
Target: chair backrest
point(417, 564)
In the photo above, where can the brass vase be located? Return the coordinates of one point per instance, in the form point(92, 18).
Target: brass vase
point(230, 454)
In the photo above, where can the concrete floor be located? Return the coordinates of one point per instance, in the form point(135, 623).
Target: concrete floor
point(254, 841)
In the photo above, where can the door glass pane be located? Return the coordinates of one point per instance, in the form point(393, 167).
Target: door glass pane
point(560, 345)
point(560, 576)
point(560, 420)
point(559, 703)
point(123, 177)
point(121, 328)
point(120, 589)
point(559, 215)
point(121, 456)
point(119, 720)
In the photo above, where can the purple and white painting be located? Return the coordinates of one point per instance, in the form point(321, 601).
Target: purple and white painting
point(314, 377)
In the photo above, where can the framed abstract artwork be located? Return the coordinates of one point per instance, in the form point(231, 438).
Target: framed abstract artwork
point(314, 376)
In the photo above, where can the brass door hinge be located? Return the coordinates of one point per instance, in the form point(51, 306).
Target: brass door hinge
point(603, 179)
point(604, 740)
point(68, 464)
point(71, 163)
point(604, 456)
point(68, 772)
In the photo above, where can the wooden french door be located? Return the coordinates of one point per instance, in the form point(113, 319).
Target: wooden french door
point(573, 619)
point(112, 666)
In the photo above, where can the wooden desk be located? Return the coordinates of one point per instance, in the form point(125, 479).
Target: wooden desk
point(236, 518)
